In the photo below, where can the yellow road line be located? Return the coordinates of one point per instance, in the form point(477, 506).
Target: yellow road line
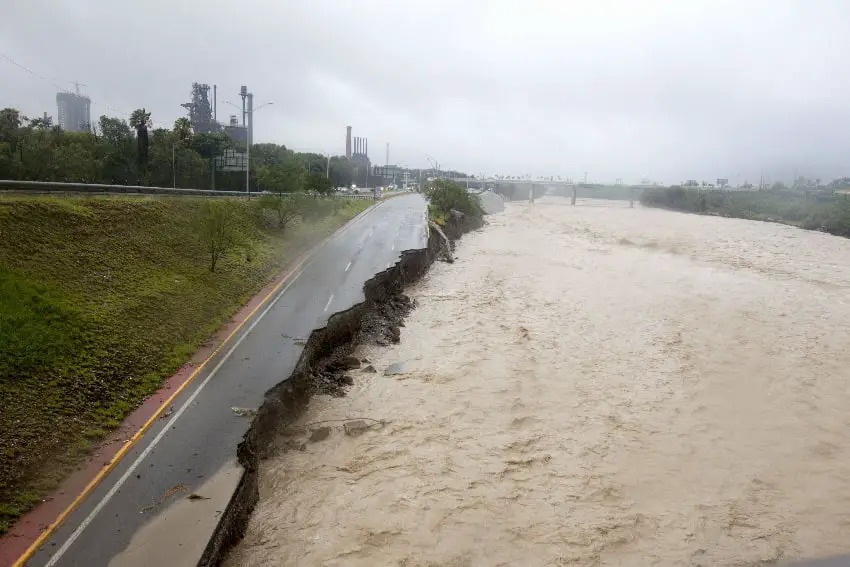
point(122, 452)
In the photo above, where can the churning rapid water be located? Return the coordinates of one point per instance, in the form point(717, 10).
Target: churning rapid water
point(589, 385)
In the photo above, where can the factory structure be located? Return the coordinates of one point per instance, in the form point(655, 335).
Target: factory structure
point(357, 153)
point(203, 114)
point(74, 111)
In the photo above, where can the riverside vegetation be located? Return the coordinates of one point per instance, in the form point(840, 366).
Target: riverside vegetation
point(101, 298)
point(824, 211)
point(445, 196)
point(133, 152)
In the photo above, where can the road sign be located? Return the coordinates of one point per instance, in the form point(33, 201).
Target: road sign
point(230, 160)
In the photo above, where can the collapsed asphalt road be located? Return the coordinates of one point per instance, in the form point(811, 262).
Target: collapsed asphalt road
point(163, 501)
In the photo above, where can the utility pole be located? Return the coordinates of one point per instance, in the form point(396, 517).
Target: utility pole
point(328, 168)
point(248, 146)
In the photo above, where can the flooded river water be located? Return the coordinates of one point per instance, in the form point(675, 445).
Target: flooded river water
point(589, 385)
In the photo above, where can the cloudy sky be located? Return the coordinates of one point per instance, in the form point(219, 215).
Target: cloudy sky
point(668, 89)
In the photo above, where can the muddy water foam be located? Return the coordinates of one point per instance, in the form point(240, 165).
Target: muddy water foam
point(590, 385)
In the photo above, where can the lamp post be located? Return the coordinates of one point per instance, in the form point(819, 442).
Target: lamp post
point(248, 125)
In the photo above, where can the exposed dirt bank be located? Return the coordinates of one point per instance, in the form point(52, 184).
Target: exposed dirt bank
point(323, 367)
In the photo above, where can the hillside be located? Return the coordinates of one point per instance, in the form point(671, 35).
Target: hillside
point(100, 299)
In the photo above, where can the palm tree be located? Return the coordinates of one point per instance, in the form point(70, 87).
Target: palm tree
point(183, 130)
point(141, 121)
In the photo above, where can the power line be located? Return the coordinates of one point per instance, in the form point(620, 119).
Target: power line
point(76, 83)
point(31, 72)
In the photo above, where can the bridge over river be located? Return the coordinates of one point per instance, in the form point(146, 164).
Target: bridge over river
point(522, 189)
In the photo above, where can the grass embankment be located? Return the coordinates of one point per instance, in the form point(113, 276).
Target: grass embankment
point(814, 212)
point(102, 298)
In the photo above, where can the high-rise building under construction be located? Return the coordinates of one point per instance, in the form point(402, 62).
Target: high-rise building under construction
point(74, 112)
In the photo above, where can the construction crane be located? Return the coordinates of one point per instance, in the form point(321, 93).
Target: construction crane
point(77, 85)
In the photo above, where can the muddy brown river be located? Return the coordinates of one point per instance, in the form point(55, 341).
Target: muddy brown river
point(589, 385)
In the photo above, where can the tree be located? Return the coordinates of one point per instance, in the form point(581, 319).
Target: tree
point(11, 123)
point(215, 229)
point(342, 173)
point(114, 130)
point(209, 146)
point(140, 119)
point(286, 208)
point(45, 123)
point(172, 162)
point(319, 183)
point(445, 195)
point(75, 159)
point(183, 130)
point(116, 152)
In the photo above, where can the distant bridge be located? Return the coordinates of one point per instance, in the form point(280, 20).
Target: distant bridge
point(518, 189)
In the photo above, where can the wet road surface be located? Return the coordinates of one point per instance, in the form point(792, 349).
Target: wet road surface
point(140, 515)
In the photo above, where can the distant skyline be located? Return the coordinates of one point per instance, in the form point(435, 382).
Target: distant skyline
point(664, 89)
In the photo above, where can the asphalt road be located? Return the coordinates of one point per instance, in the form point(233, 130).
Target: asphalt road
point(140, 514)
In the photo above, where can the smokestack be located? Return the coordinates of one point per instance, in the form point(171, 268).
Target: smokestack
point(243, 92)
point(215, 104)
point(250, 133)
point(357, 146)
point(366, 148)
point(348, 142)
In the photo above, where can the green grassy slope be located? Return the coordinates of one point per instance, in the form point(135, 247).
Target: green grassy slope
point(100, 299)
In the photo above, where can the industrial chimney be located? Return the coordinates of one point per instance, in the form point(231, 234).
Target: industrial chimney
point(348, 142)
point(366, 147)
point(250, 133)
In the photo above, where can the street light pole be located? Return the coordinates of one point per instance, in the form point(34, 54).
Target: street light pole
point(173, 170)
point(248, 125)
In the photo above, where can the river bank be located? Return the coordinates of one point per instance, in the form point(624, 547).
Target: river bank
point(824, 213)
point(102, 298)
point(589, 385)
point(326, 366)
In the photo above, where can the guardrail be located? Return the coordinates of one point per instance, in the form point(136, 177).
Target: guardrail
point(52, 187)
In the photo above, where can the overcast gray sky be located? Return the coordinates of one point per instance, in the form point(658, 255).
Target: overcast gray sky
point(669, 89)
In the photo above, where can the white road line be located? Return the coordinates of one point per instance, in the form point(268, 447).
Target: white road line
point(117, 486)
point(328, 304)
point(348, 267)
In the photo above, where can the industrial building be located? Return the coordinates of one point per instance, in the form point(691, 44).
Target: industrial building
point(74, 111)
point(203, 112)
point(357, 152)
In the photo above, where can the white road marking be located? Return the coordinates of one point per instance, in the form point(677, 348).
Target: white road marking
point(117, 486)
point(54, 560)
point(348, 267)
point(328, 304)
